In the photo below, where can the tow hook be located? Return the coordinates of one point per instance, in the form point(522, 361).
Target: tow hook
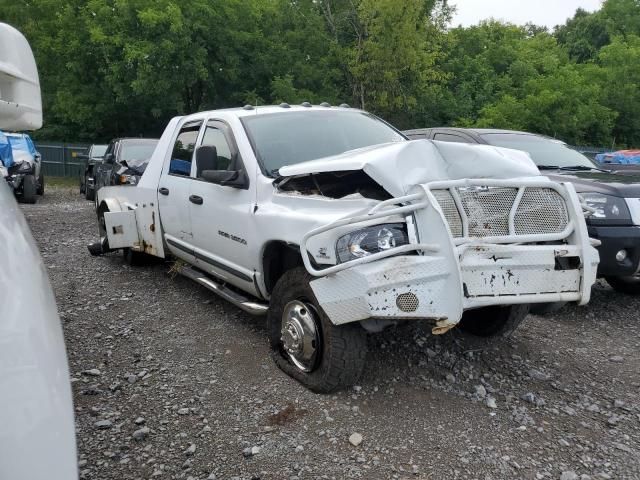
point(99, 247)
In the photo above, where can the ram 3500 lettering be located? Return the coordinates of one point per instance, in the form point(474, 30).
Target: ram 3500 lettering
point(333, 224)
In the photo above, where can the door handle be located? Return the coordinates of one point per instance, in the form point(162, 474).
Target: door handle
point(196, 199)
point(163, 191)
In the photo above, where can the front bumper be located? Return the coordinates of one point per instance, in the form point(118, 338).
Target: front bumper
point(440, 279)
point(613, 240)
point(425, 287)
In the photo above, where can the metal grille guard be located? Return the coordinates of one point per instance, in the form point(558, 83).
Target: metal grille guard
point(426, 199)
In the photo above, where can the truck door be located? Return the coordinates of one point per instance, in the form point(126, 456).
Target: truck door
point(173, 193)
point(220, 215)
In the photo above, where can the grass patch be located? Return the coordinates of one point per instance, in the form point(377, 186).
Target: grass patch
point(66, 182)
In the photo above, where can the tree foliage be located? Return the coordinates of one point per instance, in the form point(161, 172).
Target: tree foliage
point(124, 67)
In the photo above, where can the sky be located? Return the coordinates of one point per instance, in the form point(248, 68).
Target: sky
point(539, 12)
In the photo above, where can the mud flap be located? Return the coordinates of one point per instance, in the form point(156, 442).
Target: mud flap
point(122, 229)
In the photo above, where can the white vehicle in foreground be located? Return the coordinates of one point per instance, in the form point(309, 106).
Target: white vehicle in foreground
point(37, 434)
point(331, 223)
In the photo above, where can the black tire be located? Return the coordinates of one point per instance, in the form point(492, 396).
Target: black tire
point(89, 193)
point(493, 321)
point(41, 185)
point(546, 308)
point(340, 357)
point(628, 285)
point(134, 259)
point(29, 189)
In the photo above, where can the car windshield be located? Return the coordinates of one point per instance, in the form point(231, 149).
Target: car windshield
point(137, 152)
point(98, 151)
point(545, 152)
point(289, 138)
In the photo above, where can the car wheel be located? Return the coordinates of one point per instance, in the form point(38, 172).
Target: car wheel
point(629, 285)
point(305, 344)
point(134, 259)
point(41, 185)
point(493, 321)
point(29, 189)
point(89, 193)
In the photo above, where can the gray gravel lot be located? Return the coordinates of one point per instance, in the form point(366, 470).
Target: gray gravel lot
point(171, 382)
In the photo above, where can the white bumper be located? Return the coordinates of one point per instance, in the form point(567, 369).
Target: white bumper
point(488, 275)
point(444, 277)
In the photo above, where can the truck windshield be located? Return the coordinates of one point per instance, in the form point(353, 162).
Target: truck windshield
point(545, 152)
point(289, 138)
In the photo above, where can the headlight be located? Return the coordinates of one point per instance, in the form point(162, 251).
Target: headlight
point(131, 179)
point(608, 209)
point(370, 240)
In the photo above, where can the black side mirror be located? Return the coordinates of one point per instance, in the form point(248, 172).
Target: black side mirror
point(207, 164)
point(108, 158)
point(206, 159)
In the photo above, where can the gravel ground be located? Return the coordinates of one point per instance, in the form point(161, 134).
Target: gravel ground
point(171, 382)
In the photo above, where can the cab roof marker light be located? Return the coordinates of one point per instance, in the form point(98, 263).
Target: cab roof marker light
point(248, 107)
point(306, 104)
point(325, 104)
point(345, 105)
point(284, 105)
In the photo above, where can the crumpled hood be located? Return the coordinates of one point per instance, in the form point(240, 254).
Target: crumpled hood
point(399, 166)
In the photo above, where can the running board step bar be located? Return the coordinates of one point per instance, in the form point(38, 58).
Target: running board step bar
point(240, 301)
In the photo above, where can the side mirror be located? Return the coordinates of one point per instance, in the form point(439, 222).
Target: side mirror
point(206, 159)
point(108, 158)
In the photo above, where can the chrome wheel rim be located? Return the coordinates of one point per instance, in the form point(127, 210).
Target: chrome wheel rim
point(299, 334)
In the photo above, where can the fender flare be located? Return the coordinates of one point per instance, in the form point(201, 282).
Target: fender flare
point(112, 204)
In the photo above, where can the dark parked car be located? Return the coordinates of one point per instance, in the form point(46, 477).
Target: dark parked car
point(124, 161)
point(614, 196)
point(87, 180)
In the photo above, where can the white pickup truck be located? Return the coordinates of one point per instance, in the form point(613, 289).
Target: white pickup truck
point(332, 224)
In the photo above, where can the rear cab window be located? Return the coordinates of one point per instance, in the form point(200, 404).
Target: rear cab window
point(183, 148)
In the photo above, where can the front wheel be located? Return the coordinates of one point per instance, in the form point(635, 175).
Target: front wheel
point(305, 344)
point(493, 321)
point(29, 189)
point(629, 285)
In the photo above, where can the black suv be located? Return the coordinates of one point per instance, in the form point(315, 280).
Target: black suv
point(613, 196)
point(91, 159)
point(124, 161)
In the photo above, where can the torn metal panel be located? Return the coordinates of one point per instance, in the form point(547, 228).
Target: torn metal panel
point(337, 185)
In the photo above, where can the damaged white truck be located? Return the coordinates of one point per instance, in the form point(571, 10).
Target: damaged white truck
point(332, 224)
